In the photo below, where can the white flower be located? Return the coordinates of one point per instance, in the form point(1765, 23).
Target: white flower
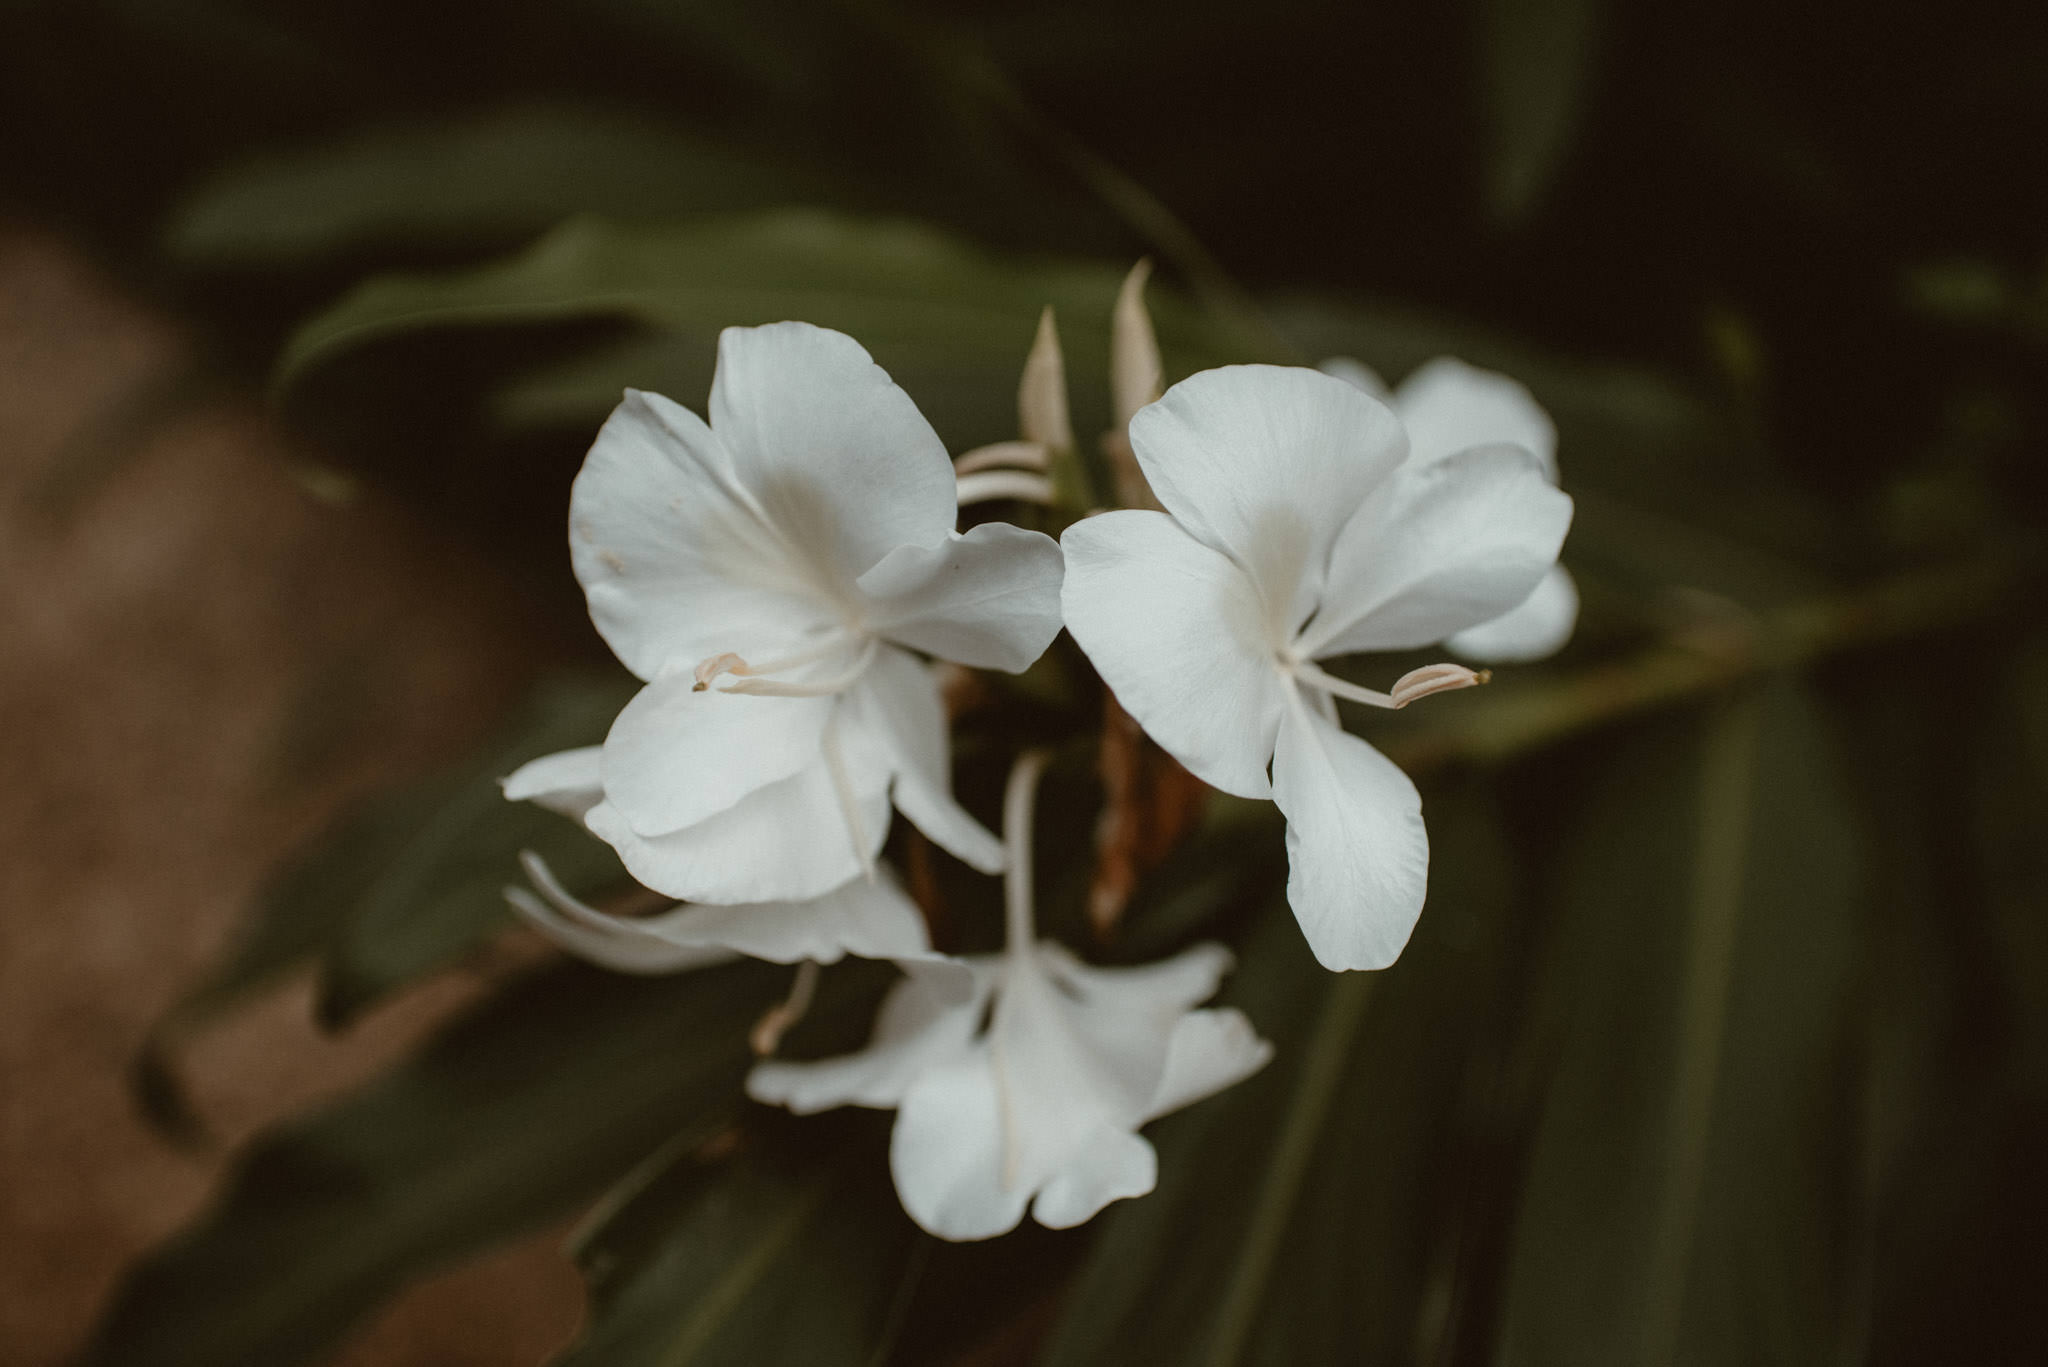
point(1295, 531)
point(871, 917)
point(1030, 1092)
point(763, 574)
point(1447, 407)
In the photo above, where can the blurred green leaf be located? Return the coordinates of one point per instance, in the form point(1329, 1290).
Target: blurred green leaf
point(768, 1259)
point(1310, 1213)
point(952, 324)
point(526, 1106)
point(1688, 1192)
point(479, 181)
point(406, 886)
point(1537, 59)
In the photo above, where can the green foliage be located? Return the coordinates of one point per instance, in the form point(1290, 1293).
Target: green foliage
point(510, 1117)
point(950, 322)
point(468, 181)
point(1538, 60)
point(1312, 1214)
point(1692, 1174)
point(409, 884)
point(773, 1258)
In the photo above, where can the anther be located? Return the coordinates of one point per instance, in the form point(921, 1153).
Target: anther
point(1437, 678)
point(710, 670)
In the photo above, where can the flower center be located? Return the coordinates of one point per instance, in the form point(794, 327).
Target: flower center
point(759, 679)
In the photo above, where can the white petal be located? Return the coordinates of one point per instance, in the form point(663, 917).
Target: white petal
point(1210, 1050)
point(831, 450)
point(897, 703)
point(1177, 631)
point(1159, 991)
point(946, 1153)
point(675, 565)
point(1449, 406)
point(1072, 1056)
point(1443, 547)
point(785, 842)
point(926, 1020)
point(989, 599)
point(1267, 464)
point(1358, 375)
point(871, 918)
point(568, 781)
point(678, 754)
point(1113, 1165)
point(1537, 629)
point(1357, 854)
point(622, 952)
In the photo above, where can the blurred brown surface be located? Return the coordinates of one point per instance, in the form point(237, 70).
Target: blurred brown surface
point(200, 664)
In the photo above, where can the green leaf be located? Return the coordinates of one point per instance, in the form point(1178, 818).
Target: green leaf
point(952, 324)
point(1537, 59)
point(406, 886)
point(507, 1119)
point(1309, 1214)
point(1690, 1181)
point(478, 181)
point(774, 1258)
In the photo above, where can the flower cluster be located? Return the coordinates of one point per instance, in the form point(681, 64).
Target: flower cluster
point(785, 578)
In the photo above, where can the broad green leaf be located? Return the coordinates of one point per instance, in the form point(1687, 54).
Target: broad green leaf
point(1689, 1182)
point(406, 886)
point(773, 1258)
point(532, 1103)
point(482, 180)
point(951, 323)
point(1306, 1215)
point(439, 890)
point(1537, 59)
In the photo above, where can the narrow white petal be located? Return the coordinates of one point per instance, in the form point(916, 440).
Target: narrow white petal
point(1441, 548)
point(946, 1153)
point(989, 599)
point(1177, 630)
point(679, 753)
point(897, 705)
point(926, 1020)
point(1210, 1050)
point(1449, 406)
point(787, 841)
point(869, 918)
point(1267, 464)
point(832, 451)
point(675, 565)
point(1357, 854)
point(568, 781)
point(1112, 1165)
point(622, 953)
point(1537, 629)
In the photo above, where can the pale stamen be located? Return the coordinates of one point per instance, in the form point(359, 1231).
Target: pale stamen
point(766, 1036)
point(984, 485)
point(1003, 455)
point(749, 678)
point(1417, 683)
